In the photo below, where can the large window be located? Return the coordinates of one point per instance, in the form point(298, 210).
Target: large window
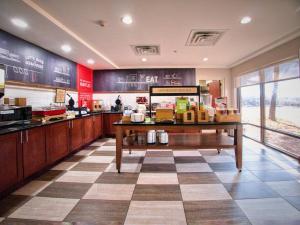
point(275, 121)
point(250, 110)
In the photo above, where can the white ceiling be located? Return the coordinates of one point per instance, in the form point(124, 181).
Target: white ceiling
point(161, 22)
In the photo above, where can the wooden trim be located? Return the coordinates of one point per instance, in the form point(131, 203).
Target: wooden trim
point(22, 84)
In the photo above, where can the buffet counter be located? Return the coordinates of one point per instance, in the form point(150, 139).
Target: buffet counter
point(27, 150)
point(181, 136)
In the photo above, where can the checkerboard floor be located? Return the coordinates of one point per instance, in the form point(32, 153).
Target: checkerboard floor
point(161, 187)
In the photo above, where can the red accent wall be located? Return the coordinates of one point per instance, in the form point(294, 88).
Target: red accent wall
point(84, 86)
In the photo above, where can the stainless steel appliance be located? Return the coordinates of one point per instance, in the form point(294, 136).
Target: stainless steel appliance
point(151, 137)
point(11, 115)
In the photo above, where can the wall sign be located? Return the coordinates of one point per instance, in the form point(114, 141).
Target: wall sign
point(139, 80)
point(84, 86)
point(30, 64)
point(60, 96)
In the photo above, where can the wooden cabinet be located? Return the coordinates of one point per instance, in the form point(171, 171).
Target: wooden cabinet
point(34, 150)
point(10, 160)
point(108, 120)
point(76, 134)
point(57, 141)
point(88, 129)
point(97, 126)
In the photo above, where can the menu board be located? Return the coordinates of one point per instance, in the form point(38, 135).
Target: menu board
point(139, 80)
point(30, 64)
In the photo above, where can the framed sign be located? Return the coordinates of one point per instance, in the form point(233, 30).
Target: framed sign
point(60, 96)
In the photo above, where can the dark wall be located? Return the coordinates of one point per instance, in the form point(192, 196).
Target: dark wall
point(30, 64)
point(139, 80)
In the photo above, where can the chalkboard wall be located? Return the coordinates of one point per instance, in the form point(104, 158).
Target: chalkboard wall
point(139, 80)
point(30, 64)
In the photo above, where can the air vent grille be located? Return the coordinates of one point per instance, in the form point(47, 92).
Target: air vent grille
point(204, 37)
point(146, 49)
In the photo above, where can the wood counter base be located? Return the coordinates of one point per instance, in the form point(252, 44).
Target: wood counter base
point(194, 139)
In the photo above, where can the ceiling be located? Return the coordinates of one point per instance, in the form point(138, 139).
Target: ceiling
point(166, 23)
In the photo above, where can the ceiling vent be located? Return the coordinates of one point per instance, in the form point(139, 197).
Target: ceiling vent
point(146, 49)
point(204, 37)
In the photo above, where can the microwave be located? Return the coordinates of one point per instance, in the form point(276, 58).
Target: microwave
point(15, 113)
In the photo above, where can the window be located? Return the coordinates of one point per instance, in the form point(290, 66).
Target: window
point(279, 125)
point(282, 106)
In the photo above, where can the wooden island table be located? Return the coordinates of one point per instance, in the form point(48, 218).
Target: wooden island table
point(181, 136)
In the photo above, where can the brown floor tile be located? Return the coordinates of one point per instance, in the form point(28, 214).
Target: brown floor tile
point(159, 153)
point(109, 144)
point(159, 168)
point(128, 159)
point(198, 178)
point(99, 212)
point(214, 213)
point(189, 159)
point(156, 193)
point(97, 167)
point(250, 190)
point(273, 175)
point(103, 153)
point(75, 158)
point(11, 203)
point(11, 221)
point(118, 178)
point(65, 190)
point(51, 175)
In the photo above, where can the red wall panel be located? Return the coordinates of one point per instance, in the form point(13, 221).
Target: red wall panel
point(84, 85)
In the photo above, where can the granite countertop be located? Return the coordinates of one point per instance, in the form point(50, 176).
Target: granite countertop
point(33, 124)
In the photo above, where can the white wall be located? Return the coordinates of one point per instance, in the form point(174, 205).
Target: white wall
point(216, 74)
point(36, 97)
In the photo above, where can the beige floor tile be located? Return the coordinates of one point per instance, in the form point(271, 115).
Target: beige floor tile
point(84, 152)
point(275, 211)
point(64, 166)
point(32, 188)
point(134, 153)
point(155, 213)
point(218, 159)
point(201, 192)
point(192, 167)
point(125, 168)
point(110, 191)
point(187, 153)
point(159, 160)
point(236, 177)
point(106, 148)
point(41, 208)
point(98, 159)
point(79, 177)
point(157, 178)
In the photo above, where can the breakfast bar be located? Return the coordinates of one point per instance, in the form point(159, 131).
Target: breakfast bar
point(181, 136)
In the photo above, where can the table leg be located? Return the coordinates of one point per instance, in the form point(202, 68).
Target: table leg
point(238, 141)
point(119, 149)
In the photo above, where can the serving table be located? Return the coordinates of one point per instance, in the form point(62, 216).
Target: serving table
point(181, 136)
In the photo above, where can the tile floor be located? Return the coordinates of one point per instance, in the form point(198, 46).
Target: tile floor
point(160, 187)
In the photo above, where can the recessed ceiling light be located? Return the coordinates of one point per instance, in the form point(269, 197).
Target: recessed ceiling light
point(90, 61)
point(127, 19)
point(144, 59)
point(66, 48)
point(205, 59)
point(19, 22)
point(246, 19)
